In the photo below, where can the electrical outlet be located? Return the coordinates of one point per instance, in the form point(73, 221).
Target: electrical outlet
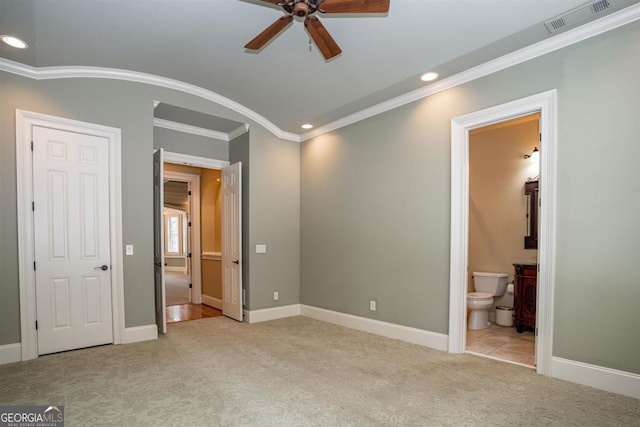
point(276, 295)
point(373, 305)
point(129, 249)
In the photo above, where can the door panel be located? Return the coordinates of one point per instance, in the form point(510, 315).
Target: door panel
point(232, 241)
point(71, 239)
point(158, 240)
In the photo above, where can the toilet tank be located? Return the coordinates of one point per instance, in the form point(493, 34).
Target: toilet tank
point(491, 283)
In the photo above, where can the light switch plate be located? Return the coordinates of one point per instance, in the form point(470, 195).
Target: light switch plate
point(261, 249)
point(129, 249)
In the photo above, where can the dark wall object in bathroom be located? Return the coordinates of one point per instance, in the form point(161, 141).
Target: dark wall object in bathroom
point(525, 284)
point(531, 190)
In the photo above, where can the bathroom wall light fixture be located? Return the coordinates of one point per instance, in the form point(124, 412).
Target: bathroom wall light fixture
point(535, 155)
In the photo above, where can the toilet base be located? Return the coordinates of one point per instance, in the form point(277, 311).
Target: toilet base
point(478, 319)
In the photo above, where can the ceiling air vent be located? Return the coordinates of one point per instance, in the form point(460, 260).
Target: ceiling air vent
point(576, 16)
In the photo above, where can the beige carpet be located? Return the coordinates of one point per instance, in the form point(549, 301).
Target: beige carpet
point(298, 372)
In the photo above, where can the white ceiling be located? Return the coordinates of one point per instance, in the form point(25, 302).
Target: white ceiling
point(201, 42)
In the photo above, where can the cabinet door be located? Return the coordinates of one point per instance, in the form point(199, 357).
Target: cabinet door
point(528, 301)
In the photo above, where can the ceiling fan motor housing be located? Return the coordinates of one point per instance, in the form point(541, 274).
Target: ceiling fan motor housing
point(301, 9)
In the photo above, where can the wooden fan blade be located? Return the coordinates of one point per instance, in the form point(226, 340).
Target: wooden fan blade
point(276, 2)
point(355, 6)
point(321, 37)
point(273, 30)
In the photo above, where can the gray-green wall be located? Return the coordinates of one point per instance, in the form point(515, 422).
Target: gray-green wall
point(186, 143)
point(129, 107)
point(274, 218)
point(375, 202)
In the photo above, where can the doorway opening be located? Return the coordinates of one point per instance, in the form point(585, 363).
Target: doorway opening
point(192, 242)
point(502, 246)
point(230, 208)
point(546, 105)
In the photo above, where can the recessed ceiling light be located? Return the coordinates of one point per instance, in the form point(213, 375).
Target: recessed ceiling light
point(429, 77)
point(14, 42)
point(307, 126)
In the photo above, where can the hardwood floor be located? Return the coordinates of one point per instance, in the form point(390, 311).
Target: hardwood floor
point(182, 312)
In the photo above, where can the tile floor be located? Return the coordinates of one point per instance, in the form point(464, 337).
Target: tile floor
point(504, 343)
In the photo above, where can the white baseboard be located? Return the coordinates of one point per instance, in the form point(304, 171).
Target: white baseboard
point(10, 353)
point(265, 314)
point(212, 302)
point(140, 333)
point(390, 330)
point(621, 382)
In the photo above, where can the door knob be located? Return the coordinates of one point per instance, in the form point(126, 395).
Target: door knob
point(236, 261)
point(102, 267)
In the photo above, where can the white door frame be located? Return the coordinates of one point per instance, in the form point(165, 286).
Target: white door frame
point(25, 120)
point(546, 104)
point(194, 211)
point(198, 162)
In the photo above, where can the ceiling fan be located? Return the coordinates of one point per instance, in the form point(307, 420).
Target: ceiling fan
point(307, 9)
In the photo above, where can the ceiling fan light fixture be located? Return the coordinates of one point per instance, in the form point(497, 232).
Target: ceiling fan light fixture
point(14, 41)
point(429, 77)
point(307, 126)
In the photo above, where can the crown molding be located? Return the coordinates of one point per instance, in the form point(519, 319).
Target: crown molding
point(241, 130)
point(196, 130)
point(576, 35)
point(63, 72)
point(594, 28)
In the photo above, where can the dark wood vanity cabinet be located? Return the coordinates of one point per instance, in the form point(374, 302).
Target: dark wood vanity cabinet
point(524, 296)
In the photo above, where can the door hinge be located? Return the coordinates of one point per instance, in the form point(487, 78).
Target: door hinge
point(190, 285)
point(189, 192)
point(540, 137)
point(33, 206)
point(189, 256)
point(536, 331)
point(189, 223)
point(36, 325)
point(31, 145)
point(34, 266)
point(244, 299)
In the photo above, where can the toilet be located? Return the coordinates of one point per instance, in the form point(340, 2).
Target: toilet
point(487, 286)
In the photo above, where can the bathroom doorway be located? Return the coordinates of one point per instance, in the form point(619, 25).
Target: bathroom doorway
point(546, 104)
point(501, 169)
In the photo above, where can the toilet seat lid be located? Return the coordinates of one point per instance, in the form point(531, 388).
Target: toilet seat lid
point(479, 296)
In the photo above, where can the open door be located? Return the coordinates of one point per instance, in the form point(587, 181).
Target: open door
point(232, 241)
point(158, 240)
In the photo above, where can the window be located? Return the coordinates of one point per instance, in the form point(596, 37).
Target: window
point(173, 235)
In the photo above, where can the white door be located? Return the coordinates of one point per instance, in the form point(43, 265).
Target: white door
point(158, 241)
point(71, 237)
point(232, 241)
